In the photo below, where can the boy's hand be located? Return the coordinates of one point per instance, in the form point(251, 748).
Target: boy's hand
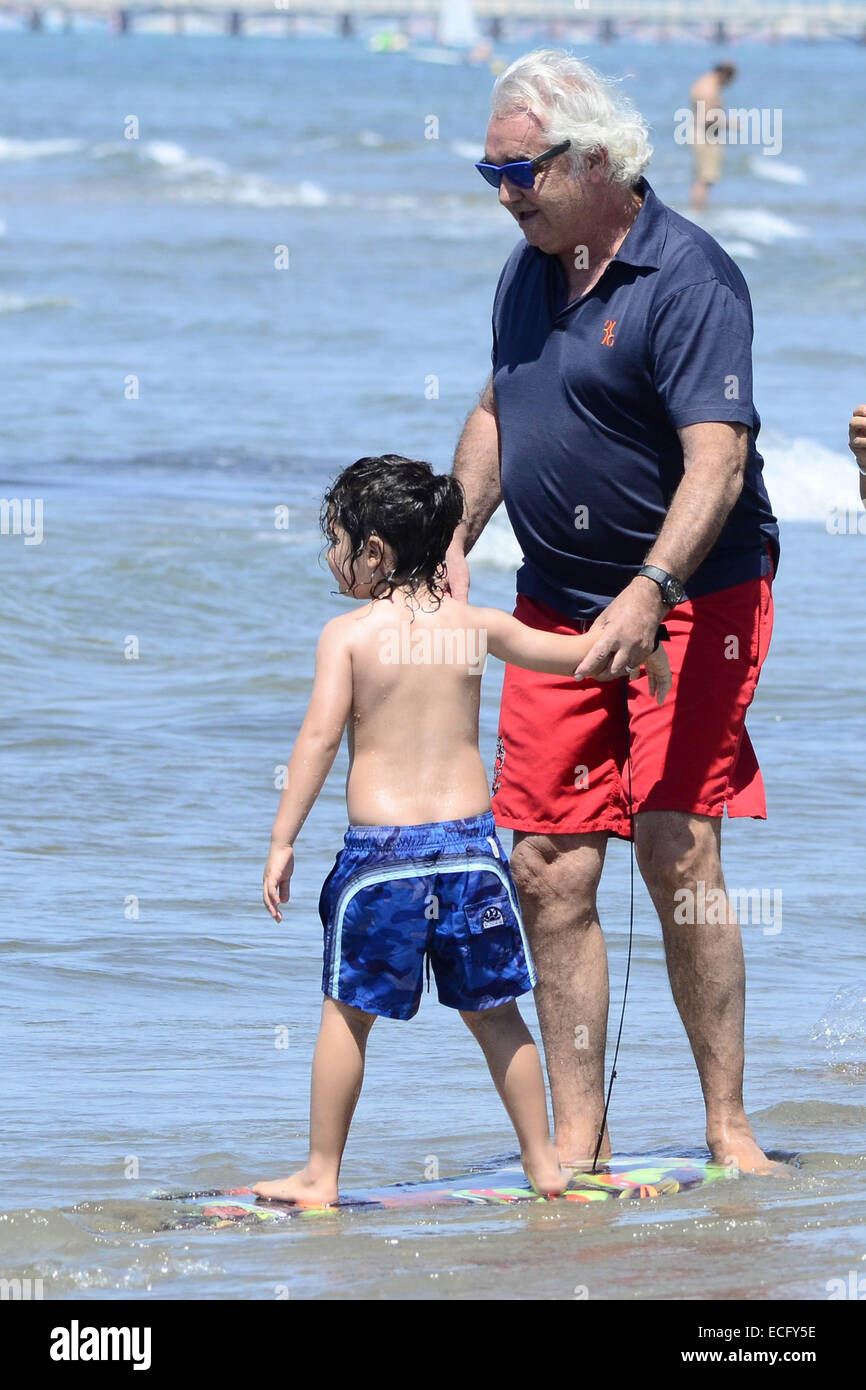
point(275, 882)
point(658, 670)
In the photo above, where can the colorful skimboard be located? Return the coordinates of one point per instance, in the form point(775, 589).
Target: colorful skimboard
point(619, 1178)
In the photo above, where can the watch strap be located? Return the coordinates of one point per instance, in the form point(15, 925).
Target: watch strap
point(656, 573)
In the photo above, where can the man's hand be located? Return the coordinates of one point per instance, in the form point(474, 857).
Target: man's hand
point(275, 882)
point(857, 434)
point(625, 632)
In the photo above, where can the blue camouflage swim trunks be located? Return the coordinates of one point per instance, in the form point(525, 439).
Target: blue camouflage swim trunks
point(400, 894)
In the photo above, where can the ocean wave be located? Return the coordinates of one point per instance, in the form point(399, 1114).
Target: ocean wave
point(192, 178)
point(164, 155)
point(769, 167)
point(251, 190)
point(752, 224)
point(739, 250)
point(812, 1114)
point(806, 481)
point(19, 150)
point(496, 547)
point(200, 179)
point(19, 303)
point(465, 149)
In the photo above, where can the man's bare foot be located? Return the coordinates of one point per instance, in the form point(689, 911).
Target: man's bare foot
point(737, 1149)
point(545, 1175)
point(300, 1188)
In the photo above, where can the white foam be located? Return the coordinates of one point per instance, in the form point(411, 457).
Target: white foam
point(36, 149)
point(19, 303)
point(740, 250)
point(769, 167)
point(466, 150)
point(177, 160)
point(253, 191)
point(165, 154)
point(496, 547)
point(804, 479)
point(751, 224)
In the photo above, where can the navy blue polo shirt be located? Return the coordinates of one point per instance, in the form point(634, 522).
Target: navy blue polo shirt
point(590, 394)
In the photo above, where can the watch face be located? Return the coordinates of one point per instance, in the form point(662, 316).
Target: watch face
point(672, 591)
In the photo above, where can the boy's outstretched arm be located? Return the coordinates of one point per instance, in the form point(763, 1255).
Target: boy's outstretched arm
point(312, 757)
point(511, 640)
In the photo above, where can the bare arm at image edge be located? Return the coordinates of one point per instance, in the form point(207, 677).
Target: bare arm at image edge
point(857, 444)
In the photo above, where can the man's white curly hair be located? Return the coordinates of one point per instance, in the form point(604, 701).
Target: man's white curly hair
point(575, 102)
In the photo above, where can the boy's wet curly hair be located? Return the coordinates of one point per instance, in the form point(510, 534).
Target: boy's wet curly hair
point(403, 502)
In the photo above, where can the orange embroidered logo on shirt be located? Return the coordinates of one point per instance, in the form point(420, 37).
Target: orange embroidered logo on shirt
point(607, 336)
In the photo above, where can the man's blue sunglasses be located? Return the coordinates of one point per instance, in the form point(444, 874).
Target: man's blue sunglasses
point(523, 172)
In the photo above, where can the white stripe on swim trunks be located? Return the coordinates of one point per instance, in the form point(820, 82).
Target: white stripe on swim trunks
point(411, 871)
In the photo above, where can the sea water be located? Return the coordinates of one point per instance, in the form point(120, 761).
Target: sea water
point(202, 324)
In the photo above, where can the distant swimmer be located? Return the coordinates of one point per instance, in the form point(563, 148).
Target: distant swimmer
point(857, 444)
point(709, 131)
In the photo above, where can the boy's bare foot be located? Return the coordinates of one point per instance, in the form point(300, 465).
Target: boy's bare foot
point(736, 1148)
point(301, 1188)
point(545, 1175)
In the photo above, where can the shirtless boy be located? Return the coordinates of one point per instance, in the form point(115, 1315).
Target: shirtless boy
point(422, 873)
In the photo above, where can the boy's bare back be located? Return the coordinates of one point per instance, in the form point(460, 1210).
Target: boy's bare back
point(415, 676)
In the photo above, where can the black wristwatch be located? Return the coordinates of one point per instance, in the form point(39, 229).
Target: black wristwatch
point(672, 590)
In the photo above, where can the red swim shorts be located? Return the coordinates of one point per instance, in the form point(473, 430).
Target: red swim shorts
point(561, 753)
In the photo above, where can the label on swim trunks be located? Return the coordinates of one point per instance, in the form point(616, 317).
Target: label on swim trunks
point(492, 917)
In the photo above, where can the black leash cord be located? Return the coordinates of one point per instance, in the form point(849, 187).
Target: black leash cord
point(630, 926)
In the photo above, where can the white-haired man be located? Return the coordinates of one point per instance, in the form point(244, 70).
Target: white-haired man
point(619, 429)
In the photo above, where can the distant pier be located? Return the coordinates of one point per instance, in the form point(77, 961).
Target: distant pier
point(720, 20)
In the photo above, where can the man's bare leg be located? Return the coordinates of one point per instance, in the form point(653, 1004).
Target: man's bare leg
point(338, 1071)
point(557, 878)
point(677, 850)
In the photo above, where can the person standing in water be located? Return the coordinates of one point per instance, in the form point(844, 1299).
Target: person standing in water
point(709, 130)
point(618, 427)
